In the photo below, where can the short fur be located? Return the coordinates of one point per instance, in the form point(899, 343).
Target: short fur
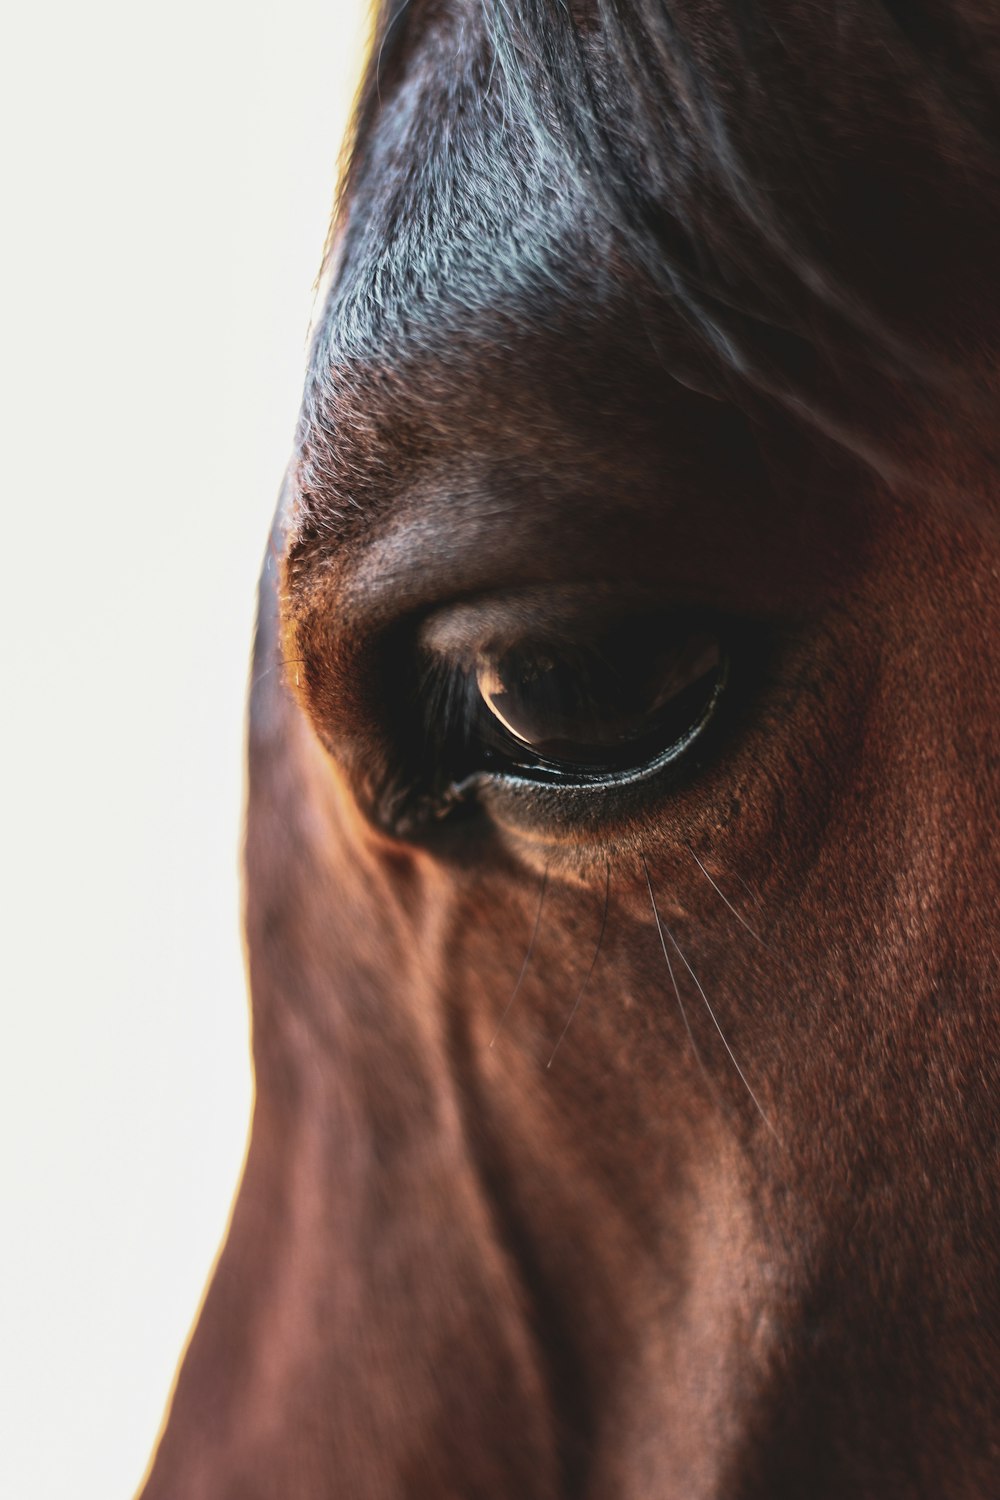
point(693, 303)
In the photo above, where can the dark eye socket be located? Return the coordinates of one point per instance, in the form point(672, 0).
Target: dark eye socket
point(633, 697)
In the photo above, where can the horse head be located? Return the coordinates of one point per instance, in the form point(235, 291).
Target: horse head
point(620, 870)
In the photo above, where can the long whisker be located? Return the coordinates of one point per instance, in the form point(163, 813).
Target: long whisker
point(751, 894)
point(715, 1022)
point(278, 666)
point(673, 980)
point(593, 965)
point(724, 898)
point(527, 956)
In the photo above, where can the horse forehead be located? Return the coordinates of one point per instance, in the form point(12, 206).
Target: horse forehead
point(554, 385)
point(544, 362)
point(495, 327)
point(455, 207)
point(480, 303)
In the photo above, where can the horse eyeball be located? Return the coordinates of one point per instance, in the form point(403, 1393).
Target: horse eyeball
point(607, 707)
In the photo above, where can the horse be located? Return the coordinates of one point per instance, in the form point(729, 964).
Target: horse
point(620, 870)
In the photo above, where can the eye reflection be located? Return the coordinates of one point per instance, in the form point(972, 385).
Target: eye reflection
point(603, 708)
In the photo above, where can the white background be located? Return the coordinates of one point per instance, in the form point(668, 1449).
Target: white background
point(167, 177)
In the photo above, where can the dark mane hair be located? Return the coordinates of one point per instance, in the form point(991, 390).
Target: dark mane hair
point(812, 190)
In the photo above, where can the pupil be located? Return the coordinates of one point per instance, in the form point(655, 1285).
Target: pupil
point(605, 707)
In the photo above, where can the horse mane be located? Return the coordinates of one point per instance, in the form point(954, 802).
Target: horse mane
point(826, 249)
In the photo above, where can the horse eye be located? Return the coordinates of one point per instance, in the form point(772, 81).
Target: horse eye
point(597, 712)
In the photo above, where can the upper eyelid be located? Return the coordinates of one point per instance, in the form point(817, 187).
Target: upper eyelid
point(571, 616)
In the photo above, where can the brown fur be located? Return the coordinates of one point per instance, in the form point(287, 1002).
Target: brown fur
point(452, 1270)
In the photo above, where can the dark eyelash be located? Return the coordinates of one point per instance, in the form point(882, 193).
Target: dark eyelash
point(446, 700)
point(448, 712)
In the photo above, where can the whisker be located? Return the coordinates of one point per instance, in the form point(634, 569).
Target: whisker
point(277, 666)
point(673, 980)
point(527, 956)
point(715, 1022)
point(593, 965)
point(724, 898)
point(751, 894)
